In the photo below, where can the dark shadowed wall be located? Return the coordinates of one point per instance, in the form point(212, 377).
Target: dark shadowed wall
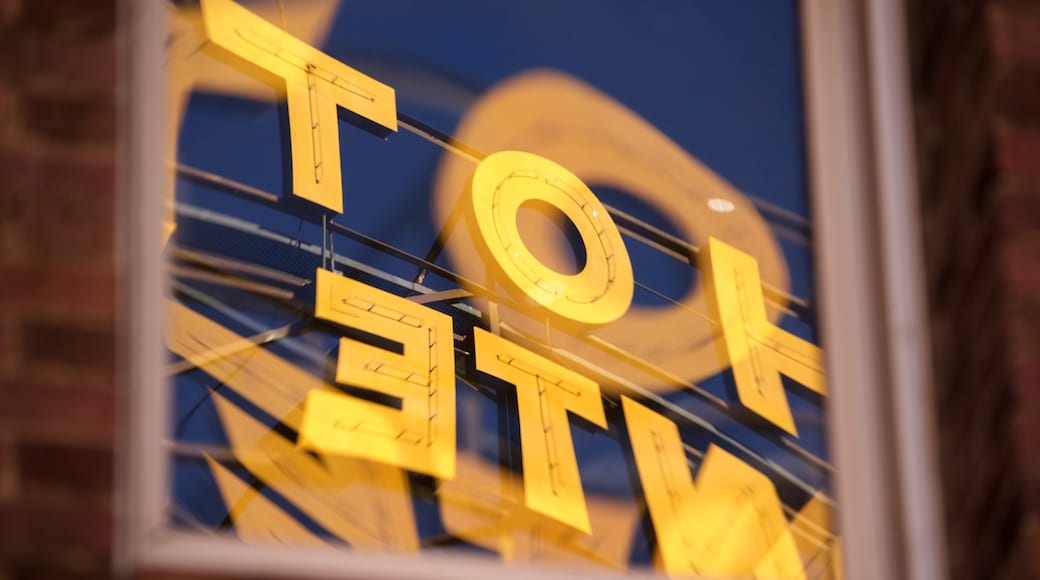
point(977, 91)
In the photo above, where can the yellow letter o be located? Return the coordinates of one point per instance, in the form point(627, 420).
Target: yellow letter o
point(602, 141)
point(602, 291)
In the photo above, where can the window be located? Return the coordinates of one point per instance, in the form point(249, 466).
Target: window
point(536, 283)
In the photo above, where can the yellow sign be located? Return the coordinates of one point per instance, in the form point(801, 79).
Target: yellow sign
point(421, 435)
point(315, 85)
point(505, 181)
point(757, 350)
point(392, 407)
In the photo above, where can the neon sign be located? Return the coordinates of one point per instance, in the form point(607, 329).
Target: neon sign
point(398, 356)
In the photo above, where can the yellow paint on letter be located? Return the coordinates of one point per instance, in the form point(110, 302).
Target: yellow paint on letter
point(315, 85)
point(545, 391)
point(757, 350)
point(730, 524)
point(420, 436)
point(602, 291)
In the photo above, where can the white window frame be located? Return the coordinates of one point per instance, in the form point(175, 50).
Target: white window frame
point(873, 320)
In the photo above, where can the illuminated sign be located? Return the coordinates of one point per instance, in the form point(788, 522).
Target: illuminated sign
point(324, 396)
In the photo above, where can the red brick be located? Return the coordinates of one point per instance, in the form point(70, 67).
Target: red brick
point(1017, 566)
point(7, 404)
point(77, 409)
point(980, 179)
point(78, 63)
point(1026, 376)
point(964, 154)
point(1020, 259)
point(1024, 344)
point(1014, 34)
point(1027, 424)
point(46, 177)
point(958, 43)
point(8, 11)
point(76, 290)
point(68, 18)
point(7, 111)
point(964, 168)
point(73, 229)
point(31, 529)
point(1031, 542)
point(7, 354)
point(1018, 149)
point(75, 118)
point(69, 344)
point(1026, 430)
point(1015, 91)
point(1031, 496)
point(1017, 206)
point(56, 209)
point(8, 469)
point(72, 468)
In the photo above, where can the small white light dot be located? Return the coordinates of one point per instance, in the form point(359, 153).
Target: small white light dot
point(594, 213)
point(721, 205)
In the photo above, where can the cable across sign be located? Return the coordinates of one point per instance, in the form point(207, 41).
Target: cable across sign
point(554, 350)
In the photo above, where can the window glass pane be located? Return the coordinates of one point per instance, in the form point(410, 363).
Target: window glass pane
point(530, 280)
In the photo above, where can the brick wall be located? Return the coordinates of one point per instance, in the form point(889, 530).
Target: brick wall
point(977, 94)
point(57, 287)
